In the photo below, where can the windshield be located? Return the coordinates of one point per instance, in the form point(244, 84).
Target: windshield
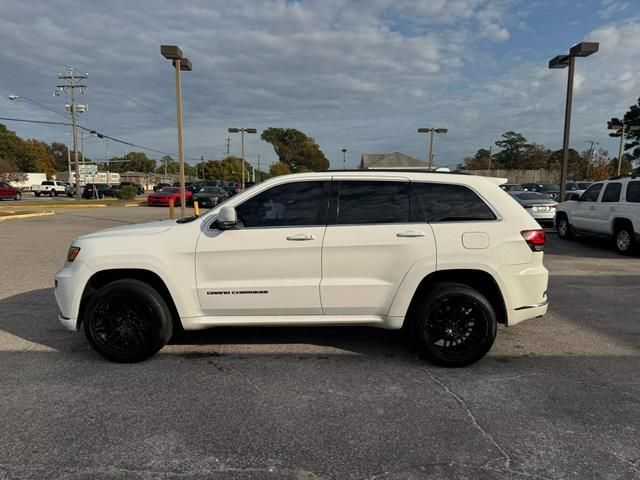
point(583, 185)
point(210, 190)
point(550, 186)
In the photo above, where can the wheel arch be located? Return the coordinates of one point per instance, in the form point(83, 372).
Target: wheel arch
point(617, 222)
point(479, 280)
point(104, 277)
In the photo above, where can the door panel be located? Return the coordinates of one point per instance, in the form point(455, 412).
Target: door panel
point(259, 271)
point(373, 238)
point(363, 265)
point(270, 264)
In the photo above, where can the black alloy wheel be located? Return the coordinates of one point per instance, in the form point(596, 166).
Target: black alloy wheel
point(456, 325)
point(127, 321)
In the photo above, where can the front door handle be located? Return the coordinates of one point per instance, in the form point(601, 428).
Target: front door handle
point(301, 237)
point(613, 209)
point(410, 234)
point(593, 207)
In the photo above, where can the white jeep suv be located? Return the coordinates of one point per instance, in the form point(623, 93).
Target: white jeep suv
point(610, 208)
point(446, 256)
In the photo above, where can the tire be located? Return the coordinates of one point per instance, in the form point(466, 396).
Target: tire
point(18, 196)
point(37, 194)
point(455, 325)
point(127, 321)
point(564, 228)
point(52, 193)
point(624, 239)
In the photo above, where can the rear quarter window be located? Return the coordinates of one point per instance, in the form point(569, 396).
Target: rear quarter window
point(451, 203)
point(633, 192)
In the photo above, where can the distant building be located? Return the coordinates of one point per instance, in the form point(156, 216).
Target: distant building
point(374, 161)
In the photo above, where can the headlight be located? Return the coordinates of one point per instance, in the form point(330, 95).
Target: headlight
point(72, 253)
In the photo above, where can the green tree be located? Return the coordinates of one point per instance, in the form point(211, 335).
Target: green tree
point(44, 158)
point(536, 156)
point(9, 172)
point(632, 137)
point(295, 149)
point(279, 168)
point(480, 161)
point(576, 166)
point(60, 156)
point(513, 151)
point(16, 151)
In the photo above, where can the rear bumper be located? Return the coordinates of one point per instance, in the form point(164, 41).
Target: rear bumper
point(525, 290)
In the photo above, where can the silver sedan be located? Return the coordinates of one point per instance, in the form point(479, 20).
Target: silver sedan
point(539, 206)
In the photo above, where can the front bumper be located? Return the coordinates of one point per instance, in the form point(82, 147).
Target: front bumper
point(69, 287)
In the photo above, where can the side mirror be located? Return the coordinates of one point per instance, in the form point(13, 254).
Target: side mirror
point(227, 218)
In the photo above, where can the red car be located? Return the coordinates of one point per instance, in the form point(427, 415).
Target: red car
point(7, 191)
point(162, 196)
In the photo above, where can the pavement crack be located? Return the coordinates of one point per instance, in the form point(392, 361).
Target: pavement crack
point(472, 417)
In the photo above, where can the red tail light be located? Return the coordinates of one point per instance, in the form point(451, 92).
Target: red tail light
point(526, 205)
point(535, 239)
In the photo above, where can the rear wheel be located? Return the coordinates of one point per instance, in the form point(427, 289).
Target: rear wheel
point(127, 321)
point(456, 325)
point(624, 238)
point(37, 194)
point(564, 228)
point(52, 193)
point(18, 196)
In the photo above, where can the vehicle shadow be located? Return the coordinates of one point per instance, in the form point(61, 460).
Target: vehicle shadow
point(32, 316)
point(592, 246)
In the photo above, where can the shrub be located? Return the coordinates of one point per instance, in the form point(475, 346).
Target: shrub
point(127, 193)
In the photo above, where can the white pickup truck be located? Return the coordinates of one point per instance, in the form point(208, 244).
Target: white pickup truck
point(49, 187)
point(610, 208)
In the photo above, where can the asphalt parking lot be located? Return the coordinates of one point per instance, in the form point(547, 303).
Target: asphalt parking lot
point(556, 398)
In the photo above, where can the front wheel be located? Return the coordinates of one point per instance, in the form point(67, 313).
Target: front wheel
point(37, 194)
point(18, 196)
point(456, 325)
point(127, 321)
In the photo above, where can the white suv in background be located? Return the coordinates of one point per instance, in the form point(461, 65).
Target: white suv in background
point(610, 208)
point(445, 256)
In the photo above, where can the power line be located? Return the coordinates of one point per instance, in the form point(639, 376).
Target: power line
point(86, 129)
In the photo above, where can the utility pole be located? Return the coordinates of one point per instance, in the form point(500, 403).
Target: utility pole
point(431, 131)
point(259, 174)
point(202, 165)
point(590, 156)
point(228, 144)
point(107, 159)
point(72, 79)
point(344, 159)
point(490, 147)
point(242, 131)
point(621, 130)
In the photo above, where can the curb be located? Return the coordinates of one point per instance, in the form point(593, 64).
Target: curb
point(132, 204)
point(27, 215)
point(98, 205)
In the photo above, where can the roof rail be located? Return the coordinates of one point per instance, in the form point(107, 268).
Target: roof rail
point(402, 170)
point(627, 175)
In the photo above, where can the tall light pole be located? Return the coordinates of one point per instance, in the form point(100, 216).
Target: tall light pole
point(344, 158)
point(583, 49)
point(431, 131)
point(173, 53)
point(242, 132)
point(620, 130)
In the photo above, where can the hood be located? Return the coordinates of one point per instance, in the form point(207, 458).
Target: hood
point(140, 229)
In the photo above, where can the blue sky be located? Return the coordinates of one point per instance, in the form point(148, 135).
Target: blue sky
point(361, 75)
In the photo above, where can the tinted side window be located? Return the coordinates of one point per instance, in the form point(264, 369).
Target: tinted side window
point(445, 203)
point(592, 193)
point(612, 192)
point(371, 202)
point(633, 192)
point(291, 204)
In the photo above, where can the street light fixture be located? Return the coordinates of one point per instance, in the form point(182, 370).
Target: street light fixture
point(431, 131)
point(620, 130)
point(173, 53)
point(583, 49)
point(344, 158)
point(242, 131)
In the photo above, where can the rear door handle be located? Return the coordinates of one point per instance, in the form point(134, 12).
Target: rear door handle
point(301, 237)
point(593, 207)
point(410, 234)
point(613, 209)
